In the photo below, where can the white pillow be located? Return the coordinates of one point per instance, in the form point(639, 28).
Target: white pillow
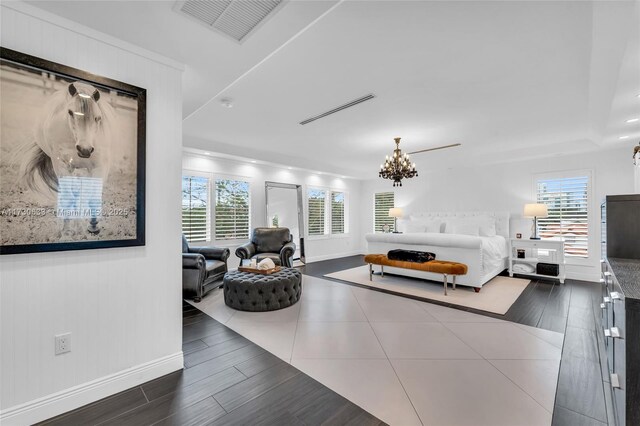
point(488, 229)
point(469, 228)
point(411, 227)
point(434, 227)
point(429, 225)
point(450, 225)
point(486, 225)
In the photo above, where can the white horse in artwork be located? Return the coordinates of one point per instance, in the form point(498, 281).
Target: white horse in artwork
point(72, 146)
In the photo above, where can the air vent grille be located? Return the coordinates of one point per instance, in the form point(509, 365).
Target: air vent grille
point(340, 108)
point(234, 18)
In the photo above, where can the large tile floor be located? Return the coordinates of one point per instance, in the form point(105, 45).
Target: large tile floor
point(408, 362)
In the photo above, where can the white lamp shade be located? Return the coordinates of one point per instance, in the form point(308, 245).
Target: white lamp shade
point(395, 212)
point(535, 210)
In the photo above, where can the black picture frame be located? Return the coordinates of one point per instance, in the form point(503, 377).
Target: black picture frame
point(140, 94)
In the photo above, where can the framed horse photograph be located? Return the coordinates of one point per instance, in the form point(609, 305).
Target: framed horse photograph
point(72, 158)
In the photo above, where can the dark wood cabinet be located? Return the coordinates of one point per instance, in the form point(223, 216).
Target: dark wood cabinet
point(621, 305)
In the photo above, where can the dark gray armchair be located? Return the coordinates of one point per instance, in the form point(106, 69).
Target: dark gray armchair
point(203, 269)
point(269, 243)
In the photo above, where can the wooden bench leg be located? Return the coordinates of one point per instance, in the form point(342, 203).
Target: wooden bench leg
point(370, 272)
point(445, 284)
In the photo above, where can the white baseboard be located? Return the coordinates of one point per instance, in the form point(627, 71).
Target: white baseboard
point(332, 256)
point(77, 396)
point(584, 276)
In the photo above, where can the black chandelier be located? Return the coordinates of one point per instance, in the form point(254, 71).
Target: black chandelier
point(398, 166)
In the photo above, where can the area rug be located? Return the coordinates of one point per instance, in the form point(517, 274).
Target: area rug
point(496, 296)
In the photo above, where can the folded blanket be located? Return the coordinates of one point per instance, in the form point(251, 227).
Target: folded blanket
point(523, 268)
point(411, 256)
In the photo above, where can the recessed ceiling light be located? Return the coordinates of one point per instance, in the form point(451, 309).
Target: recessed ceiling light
point(343, 177)
point(226, 102)
point(207, 153)
point(633, 120)
point(253, 161)
point(290, 168)
point(623, 137)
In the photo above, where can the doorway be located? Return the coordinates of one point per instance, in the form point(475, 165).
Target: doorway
point(284, 209)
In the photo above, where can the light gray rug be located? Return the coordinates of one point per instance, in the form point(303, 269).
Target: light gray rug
point(496, 296)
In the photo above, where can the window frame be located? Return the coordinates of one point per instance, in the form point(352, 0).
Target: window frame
point(214, 179)
point(591, 208)
point(327, 213)
point(195, 173)
point(345, 213)
point(373, 202)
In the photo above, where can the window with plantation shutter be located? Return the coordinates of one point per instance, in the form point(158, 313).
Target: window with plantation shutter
point(232, 209)
point(567, 200)
point(337, 213)
point(195, 208)
point(382, 202)
point(316, 214)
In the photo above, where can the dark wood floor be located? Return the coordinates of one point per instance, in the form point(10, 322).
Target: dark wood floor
point(572, 308)
point(229, 380)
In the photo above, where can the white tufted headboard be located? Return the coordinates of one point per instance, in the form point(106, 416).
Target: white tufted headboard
point(501, 218)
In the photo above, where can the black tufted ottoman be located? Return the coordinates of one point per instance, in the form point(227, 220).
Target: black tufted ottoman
point(245, 291)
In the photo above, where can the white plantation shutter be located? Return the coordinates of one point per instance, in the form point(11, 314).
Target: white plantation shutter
point(567, 201)
point(316, 211)
point(195, 208)
point(383, 201)
point(337, 213)
point(232, 209)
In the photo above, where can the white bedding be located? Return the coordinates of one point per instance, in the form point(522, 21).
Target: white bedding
point(477, 239)
point(494, 251)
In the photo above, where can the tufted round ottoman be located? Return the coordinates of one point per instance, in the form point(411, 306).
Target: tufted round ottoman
point(245, 291)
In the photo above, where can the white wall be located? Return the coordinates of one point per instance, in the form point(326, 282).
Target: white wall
point(507, 187)
point(257, 174)
point(122, 305)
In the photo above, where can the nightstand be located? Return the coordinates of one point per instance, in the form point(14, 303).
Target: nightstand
point(549, 251)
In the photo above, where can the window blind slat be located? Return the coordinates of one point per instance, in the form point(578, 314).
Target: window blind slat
point(337, 213)
point(316, 209)
point(195, 208)
point(567, 201)
point(383, 201)
point(232, 217)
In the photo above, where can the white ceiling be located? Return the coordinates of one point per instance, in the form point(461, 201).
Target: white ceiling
point(508, 80)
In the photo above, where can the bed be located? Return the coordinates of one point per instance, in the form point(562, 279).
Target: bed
point(477, 239)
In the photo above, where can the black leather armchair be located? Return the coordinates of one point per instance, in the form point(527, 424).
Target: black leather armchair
point(203, 269)
point(269, 243)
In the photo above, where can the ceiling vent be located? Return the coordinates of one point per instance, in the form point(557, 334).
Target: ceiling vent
point(233, 18)
point(336, 109)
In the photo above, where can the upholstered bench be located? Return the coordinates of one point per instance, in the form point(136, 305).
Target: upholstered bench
point(436, 266)
point(246, 291)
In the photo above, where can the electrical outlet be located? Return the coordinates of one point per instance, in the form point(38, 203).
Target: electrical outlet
point(63, 343)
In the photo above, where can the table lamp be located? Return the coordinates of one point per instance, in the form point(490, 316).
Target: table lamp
point(535, 211)
point(395, 213)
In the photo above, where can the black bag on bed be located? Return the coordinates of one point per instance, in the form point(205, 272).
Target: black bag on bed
point(411, 256)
